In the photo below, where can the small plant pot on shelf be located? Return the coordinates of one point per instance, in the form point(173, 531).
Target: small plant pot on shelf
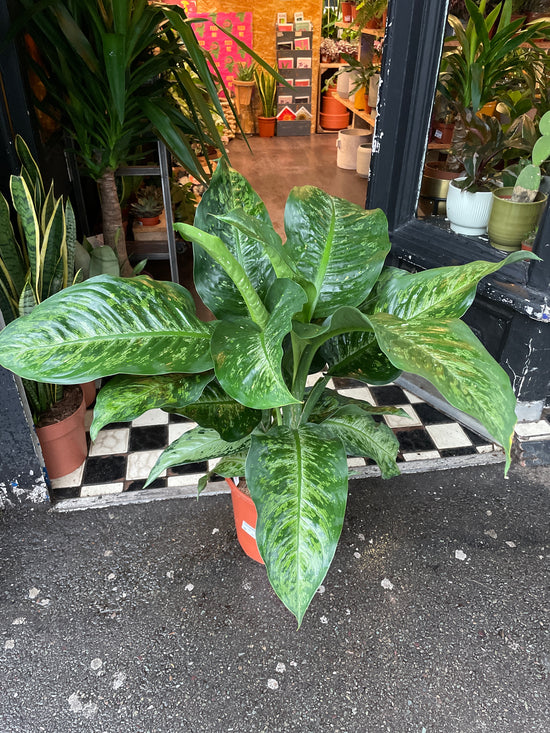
point(510, 221)
point(442, 132)
point(63, 442)
point(468, 212)
point(266, 126)
point(331, 105)
point(246, 516)
point(149, 221)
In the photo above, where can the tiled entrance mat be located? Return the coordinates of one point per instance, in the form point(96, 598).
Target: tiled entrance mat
point(124, 453)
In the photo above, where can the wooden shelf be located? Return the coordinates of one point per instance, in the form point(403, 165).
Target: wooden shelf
point(378, 32)
point(331, 65)
point(366, 116)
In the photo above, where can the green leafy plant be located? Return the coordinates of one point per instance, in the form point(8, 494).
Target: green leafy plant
point(528, 182)
point(37, 263)
point(111, 69)
point(487, 59)
point(367, 10)
point(322, 301)
point(267, 89)
point(245, 72)
point(149, 202)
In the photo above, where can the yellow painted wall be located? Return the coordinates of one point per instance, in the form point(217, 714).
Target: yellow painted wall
point(264, 18)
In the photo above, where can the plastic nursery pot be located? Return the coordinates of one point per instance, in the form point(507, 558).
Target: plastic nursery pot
point(89, 391)
point(510, 221)
point(468, 212)
point(266, 126)
point(246, 516)
point(64, 444)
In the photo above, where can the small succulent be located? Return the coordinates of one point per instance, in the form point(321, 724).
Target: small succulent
point(245, 72)
point(528, 181)
point(149, 203)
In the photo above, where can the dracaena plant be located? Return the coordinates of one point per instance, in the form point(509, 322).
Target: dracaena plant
point(322, 301)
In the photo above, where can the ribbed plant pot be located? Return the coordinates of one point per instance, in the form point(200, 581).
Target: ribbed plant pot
point(510, 221)
point(468, 212)
point(331, 105)
point(266, 126)
point(64, 444)
point(246, 516)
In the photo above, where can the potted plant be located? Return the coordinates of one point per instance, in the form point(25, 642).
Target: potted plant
point(324, 298)
point(488, 58)
point(148, 205)
point(267, 90)
point(110, 71)
point(517, 209)
point(480, 145)
point(370, 14)
point(34, 266)
point(328, 50)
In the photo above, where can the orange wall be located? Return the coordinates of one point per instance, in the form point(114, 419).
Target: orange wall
point(264, 17)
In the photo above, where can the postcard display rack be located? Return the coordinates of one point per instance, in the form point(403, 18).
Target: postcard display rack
point(294, 61)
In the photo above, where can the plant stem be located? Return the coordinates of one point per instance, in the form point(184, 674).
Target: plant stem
point(113, 232)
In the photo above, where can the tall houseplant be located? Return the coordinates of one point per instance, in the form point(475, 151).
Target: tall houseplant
point(267, 90)
point(324, 298)
point(110, 68)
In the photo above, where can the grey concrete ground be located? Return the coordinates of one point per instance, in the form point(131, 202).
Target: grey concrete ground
point(148, 618)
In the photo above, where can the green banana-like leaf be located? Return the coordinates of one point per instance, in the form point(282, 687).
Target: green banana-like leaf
point(228, 190)
point(449, 356)
point(198, 444)
point(126, 397)
point(357, 355)
point(247, 359)
point(23, 204)
point(441, 293)
point(331, 402)
point(362, 436)
point(337, 245)
point(216, 409)
point(108, 325)
point(298, 481)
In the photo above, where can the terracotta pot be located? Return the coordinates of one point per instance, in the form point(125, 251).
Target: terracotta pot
point(266, 126)
point(149, 221)
point(64, 444)
point(243, 92)
point(330, 105)
point(89, 391)
point(346, 12)
point(442, 132)
point(334, 121)
point(246, 516)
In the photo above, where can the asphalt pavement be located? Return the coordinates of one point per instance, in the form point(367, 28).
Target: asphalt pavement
point(433, 618)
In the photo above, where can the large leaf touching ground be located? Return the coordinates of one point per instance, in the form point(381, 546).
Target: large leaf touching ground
point(228, 190)
point(449, 356)
point(441, 293)
point(298, 481)
point(108, 325)
point(247, 359)
point(337, 245)
point(362, 436)
point(126, 397)
point(198, 444)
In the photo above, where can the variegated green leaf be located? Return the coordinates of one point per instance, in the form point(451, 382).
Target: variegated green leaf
point(125, 397)
point(449, 356)
point(228, 190)
point(232, 466)
point(24, 205)
point(337, 245)
point(331, 402)
point(105, 326)
point(30, 171)
point(441, 293)
point(53, 254)
point(357, 355)
point(247, 359)
point(198, 444)
point(13, 265)
point(70, 238)
point(362, 436)
point(298, 481)
point(27, 299)
point(215, 409)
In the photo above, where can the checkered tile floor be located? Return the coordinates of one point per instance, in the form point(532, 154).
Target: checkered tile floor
point(123, 454)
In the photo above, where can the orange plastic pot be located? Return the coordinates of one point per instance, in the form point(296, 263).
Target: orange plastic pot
point(266, 126)
point(334, 122)
point(330, 105)
point(246, 516)
point(64, 444)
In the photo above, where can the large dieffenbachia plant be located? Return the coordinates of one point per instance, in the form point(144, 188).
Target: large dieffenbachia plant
point(322, 301)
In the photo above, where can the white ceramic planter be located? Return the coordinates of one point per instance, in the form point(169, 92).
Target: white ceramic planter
point(468, 212)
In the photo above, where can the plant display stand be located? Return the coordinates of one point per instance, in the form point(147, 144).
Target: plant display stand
point(294, 61)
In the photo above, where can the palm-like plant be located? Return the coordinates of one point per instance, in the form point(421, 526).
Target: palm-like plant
point(487, 57)
point(110, 66)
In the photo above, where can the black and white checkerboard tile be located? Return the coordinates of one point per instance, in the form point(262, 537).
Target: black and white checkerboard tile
point(124, 453)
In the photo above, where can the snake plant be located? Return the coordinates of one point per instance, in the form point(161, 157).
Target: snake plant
point(323, 301)
point(39, 260)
